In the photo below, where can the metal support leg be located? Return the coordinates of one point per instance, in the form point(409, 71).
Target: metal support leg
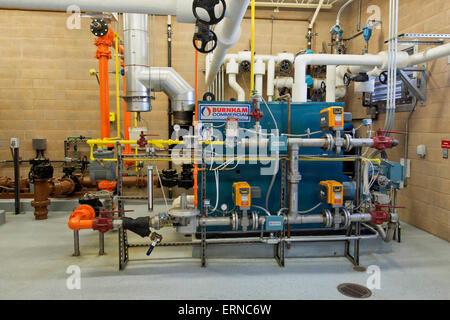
point(354, 259)
point(203, 247)
point(203, 197)
point(76, 243)
point(101, 242)
point(279, 252)
point(123, 240)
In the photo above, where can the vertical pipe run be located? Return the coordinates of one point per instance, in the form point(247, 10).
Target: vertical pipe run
point(101, 243)
point(252, 62)
point(293, 178)
point(136, 39)
point(104, 96)
point(16, 180)
point(195, 130)
point(76, 243)
point(169, 64)
point(331, 83)
point(150, 188)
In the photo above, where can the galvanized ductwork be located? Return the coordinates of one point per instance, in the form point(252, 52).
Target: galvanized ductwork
point(141, 79)
point(136, 46)
point(167, 80)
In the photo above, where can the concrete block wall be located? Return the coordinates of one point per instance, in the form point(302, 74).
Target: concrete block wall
point(46, 90)
point(427, 196)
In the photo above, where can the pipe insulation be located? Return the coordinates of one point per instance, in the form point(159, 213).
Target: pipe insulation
point(228, 32)
point(136, 44)
point(167, 80)
point(378, 61)
point(180, 8)
point(313, 20)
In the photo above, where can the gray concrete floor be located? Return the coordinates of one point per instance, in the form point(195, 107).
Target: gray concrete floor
point(34, 257)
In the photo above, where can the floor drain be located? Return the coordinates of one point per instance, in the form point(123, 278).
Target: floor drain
point(354, 290)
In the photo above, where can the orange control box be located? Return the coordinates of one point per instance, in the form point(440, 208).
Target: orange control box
point(332, 118)
point(332, 192)
point(242, 194)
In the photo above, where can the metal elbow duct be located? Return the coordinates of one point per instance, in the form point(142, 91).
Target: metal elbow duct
point(135, 31)
point(167, 80)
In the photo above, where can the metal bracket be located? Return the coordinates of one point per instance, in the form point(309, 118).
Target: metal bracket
point(420, 92)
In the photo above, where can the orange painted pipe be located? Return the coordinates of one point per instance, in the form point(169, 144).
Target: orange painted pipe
point(195, 124)
point(103, 55)
point(82, 218)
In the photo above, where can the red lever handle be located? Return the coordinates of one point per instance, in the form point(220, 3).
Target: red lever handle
point(380, 132)
point(389, 206)
point(116, 211)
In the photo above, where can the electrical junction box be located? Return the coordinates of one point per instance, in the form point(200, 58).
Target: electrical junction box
point(112, 117)
point(394, 171)
point(242, 194)
point(331, 192)
point(274, 223)
point(278, 144)
point(14, 143)
point(332, 118)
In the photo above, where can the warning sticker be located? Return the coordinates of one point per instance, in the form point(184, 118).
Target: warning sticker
point(221, 112)
point(445, 144)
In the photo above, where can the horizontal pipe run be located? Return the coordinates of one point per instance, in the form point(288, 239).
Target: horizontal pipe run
point(180, 8)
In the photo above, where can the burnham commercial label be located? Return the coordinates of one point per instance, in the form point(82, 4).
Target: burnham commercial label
point(221, 112)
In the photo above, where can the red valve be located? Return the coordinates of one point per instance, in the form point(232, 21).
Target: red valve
point(256, 114)
point(256, 111)
point(380, 216)
point(102, 223)
point(105, 223)
point(142, 142)
point(381, 142)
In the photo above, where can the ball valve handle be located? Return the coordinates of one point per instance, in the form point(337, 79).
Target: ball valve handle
point(142, 142)
point(381, 132)
point(379, 206)
point(104, 212)
point(156, 239)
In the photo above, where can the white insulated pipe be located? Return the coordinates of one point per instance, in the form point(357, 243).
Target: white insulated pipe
point(331, 84)
point(429, 54)
point(228, 32)
point(300, 88)
point(180, 8)
point(236, 87)
point(270, 79)
point(313, 20)
point(341, 10)
point(232, 69)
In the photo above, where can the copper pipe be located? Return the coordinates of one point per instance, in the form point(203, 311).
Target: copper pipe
point(44, 188)
point(7, 183)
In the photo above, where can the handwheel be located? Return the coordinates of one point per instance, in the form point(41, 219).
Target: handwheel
point(205, 36)
point(347, 79)
point(383, 77)
point(209, 11)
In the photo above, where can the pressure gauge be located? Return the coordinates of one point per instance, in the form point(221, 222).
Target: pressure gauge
point(224, 207)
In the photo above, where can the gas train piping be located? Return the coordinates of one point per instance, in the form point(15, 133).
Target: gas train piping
point(187, 219)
